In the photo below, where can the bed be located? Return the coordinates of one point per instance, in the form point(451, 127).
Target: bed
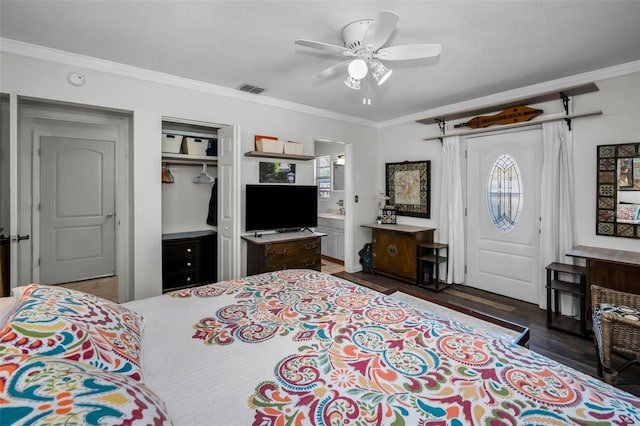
point(295, 347)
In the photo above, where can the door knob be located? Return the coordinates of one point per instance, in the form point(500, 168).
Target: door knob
point(110, 215)
point(19, 237)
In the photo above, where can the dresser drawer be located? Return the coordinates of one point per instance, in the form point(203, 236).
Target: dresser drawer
point(278, 263)
point(292, 248)
point(182, 250)
point(175, 280)
point(268, 254)
point(179, 264)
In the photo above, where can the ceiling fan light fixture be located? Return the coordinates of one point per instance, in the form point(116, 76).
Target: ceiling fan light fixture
point(379, 71)
point(358, 69)
point(352, 83)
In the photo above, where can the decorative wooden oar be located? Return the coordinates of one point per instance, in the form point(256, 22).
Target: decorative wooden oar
point(508, 116)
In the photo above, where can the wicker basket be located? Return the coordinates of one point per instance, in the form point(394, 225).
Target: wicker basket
point(614, 333)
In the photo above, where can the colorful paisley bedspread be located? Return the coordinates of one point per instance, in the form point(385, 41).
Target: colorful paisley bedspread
point(367, 359)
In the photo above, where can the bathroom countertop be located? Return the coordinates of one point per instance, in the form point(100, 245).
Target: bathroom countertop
point(331, 216)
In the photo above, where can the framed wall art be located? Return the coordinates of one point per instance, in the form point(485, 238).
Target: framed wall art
point(408, 186)
point(277, 173)
point(618, 190)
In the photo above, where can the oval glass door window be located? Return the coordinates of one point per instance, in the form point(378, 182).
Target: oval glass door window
point(504, 193)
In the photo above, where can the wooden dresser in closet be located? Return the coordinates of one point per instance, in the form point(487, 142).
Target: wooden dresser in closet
point(188, 259)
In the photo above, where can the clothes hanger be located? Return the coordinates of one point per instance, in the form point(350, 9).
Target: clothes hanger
point(167, 177)
point(204, 177)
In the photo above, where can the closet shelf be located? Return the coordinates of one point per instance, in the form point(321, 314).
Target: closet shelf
point(186, 159)
point(278, 155)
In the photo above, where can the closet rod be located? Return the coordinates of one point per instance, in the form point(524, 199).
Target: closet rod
point(511, 126)
point(188, 163)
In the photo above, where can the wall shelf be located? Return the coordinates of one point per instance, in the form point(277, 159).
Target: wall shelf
point(543, 97)
point(278, 155)
point(511, 126)
point(189, 160)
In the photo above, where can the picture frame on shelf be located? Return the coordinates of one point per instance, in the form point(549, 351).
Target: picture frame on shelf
point(408, 185)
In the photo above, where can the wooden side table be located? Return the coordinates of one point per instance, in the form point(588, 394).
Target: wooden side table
point(555, 286)
point(429, 260)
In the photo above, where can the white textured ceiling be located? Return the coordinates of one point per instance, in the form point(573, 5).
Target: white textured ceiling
point(487, 46)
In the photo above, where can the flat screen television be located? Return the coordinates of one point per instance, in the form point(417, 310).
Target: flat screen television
point(281, 207)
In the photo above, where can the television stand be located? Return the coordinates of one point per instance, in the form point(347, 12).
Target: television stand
point(275, 252)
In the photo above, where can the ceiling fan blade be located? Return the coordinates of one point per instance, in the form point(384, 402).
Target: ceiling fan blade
point(380, 29)
point(408, 51)
point(326, 47)
point(331, 70)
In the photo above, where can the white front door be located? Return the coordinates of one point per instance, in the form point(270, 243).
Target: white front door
point(229, 202)
point(503, 212)
point(77, 209)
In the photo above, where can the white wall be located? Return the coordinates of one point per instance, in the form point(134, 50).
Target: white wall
point(151, 101)
point(405, 143)
point(185, 205)
point(619, 100)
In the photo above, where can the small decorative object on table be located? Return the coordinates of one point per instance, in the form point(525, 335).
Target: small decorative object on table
point(389, 215)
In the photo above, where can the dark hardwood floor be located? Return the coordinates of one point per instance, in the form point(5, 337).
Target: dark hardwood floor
point(576, 352)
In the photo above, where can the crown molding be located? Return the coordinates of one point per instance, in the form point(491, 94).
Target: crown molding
point(48, 54)
point(73, 59)
point(523, 92)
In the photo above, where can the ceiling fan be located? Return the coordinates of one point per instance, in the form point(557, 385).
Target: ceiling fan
point(363, 41)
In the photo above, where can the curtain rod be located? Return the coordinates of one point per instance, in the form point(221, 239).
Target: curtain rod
point(510, 126)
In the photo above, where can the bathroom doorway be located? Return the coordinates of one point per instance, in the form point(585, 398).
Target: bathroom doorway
point(330, 167)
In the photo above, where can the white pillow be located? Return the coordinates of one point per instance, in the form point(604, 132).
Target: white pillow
point(7, 306)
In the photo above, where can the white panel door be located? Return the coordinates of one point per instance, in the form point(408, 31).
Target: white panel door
point(77, 205)
point(505, 260)
point(228, 203)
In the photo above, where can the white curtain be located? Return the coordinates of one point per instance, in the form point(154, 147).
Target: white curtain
point(556, 236)
point(452, 210)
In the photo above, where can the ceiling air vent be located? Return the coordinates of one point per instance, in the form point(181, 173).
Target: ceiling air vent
point(244, 87)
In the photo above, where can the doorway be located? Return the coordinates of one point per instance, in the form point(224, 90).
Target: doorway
point(503, 212)
point(72, 198)
point(331, 178)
